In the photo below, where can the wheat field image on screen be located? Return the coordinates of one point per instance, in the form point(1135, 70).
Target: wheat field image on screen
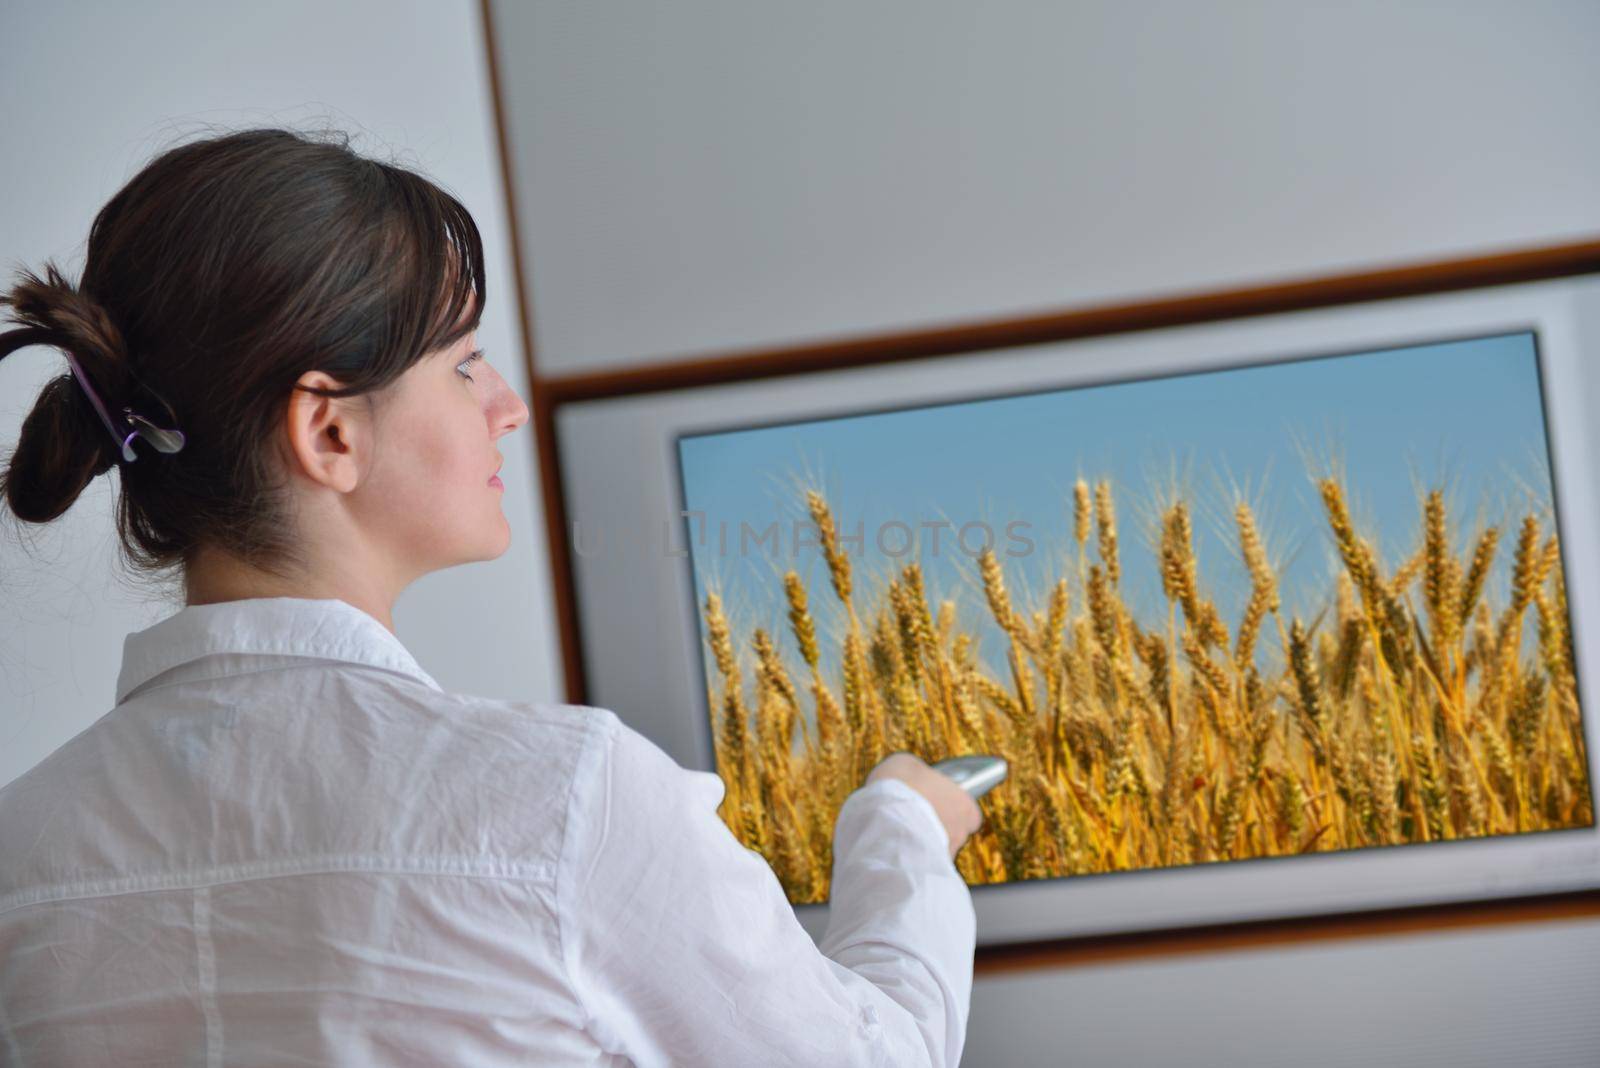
point(1308, 606)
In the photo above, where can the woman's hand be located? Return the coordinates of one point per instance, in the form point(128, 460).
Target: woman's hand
point(957, 810)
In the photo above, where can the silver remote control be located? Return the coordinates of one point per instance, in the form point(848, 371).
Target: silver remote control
point(976, 774)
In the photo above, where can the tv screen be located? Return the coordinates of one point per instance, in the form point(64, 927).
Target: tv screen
point(1310, 604)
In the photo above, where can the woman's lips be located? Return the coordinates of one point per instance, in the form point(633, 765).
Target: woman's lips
point(494, 480)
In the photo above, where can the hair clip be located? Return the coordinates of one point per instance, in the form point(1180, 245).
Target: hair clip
point(160, 438)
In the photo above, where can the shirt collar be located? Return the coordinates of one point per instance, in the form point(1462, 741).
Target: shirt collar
point(325, 629)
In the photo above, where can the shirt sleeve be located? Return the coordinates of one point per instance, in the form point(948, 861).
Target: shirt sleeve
point(683, 949)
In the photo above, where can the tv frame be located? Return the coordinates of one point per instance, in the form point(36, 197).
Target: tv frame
point(556, 398)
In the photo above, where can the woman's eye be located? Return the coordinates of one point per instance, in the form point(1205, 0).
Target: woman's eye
point(476, 355)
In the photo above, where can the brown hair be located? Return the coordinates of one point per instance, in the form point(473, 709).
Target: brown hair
point(216, 277)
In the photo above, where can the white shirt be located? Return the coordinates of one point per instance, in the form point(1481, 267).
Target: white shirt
point(287, 845)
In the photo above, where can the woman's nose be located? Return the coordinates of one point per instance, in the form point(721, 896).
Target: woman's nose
point(509, 411)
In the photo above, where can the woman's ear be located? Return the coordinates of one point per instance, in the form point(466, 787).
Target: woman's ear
point(329, 439)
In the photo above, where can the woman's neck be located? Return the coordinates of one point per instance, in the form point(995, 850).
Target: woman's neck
point(212, 578)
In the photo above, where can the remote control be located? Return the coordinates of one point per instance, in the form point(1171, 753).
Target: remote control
point(976, 774)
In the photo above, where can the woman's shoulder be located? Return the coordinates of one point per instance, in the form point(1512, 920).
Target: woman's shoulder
point(461, 723)
point(605, 740)
point(495, 715)
point(503, 741)
point(605, 754)
point(607, 764)
point(567, 778)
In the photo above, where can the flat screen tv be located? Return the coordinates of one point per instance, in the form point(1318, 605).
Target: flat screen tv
point(1277, 616)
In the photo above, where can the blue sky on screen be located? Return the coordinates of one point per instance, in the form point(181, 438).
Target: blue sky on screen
point(1464, 415)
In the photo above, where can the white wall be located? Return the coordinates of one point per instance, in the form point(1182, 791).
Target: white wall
point(91, 91)
point(709, 175)
point(1489, 997)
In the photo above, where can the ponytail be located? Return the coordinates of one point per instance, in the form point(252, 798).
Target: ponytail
point(63, 445)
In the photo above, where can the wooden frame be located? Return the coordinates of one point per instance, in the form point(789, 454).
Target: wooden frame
point(549, 392)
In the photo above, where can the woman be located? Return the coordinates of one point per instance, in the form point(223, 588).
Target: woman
point(286, 843)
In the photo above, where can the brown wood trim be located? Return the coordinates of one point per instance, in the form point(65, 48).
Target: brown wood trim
point(563, 580)
point(541, 404)
point(1101, 949)
point(1440, 276)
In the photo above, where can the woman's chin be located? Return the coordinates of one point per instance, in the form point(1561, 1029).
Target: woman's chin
point(501, 541)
